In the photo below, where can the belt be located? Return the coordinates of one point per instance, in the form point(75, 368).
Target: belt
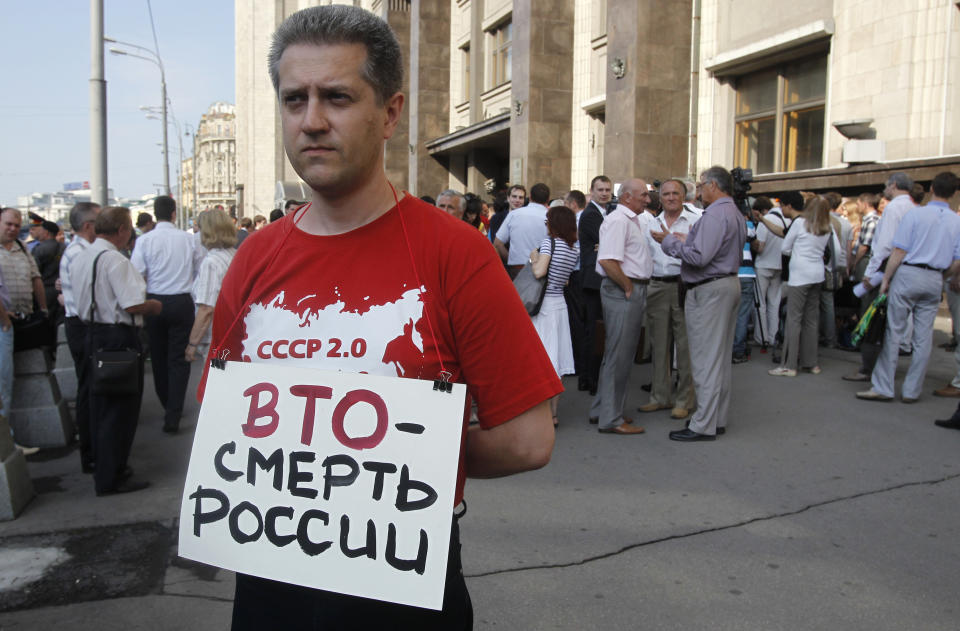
point(639, 281)
point(925, 266)
point(689, 286)
point(666, 279)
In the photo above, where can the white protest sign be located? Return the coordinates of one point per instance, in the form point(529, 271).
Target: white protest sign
point(338, 481)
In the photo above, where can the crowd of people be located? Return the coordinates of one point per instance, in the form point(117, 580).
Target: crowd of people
point(808, 267)
point(113, 287)
point(669, 267)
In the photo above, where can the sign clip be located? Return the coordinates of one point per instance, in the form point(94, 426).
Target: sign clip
point(443, 384)
point(219, 362)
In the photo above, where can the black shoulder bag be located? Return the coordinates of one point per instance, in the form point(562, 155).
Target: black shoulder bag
point(785, 258)
point(113, 372)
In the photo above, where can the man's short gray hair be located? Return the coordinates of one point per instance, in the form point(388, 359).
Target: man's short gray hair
point(452, 193)
point(341, 24)
point(901, 181)
point(81, 213)
point(721, 177)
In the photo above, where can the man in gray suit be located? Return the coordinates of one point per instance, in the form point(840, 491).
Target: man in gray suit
point(710, 257)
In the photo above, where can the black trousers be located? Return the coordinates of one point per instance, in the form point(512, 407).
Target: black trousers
point(576, 314)
point(261, 604)
point(76, 332)
point(113, 419)
point(169, 334)
point(593, 311)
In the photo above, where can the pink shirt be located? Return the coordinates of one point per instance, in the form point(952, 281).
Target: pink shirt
point(622, 238)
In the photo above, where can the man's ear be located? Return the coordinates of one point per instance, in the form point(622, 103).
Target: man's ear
point(392, 110)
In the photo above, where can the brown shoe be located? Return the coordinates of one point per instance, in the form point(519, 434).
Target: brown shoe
point(679, 413)
point(624, 429)
point(652, 407)
point(947, 391)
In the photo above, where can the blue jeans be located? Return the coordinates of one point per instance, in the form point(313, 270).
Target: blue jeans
point(6, 371)
point(743, 316)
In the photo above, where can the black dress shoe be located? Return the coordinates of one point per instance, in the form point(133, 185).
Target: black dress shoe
point(583, 384)
point(689, 436)
point(949, 423)
point(127, 486)
point(594, 420)
point(721, 431)
point(647, 387)
point(87, 467)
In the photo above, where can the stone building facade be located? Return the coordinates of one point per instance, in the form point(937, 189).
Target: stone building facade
point(520, 91)
point(216, 157)
point(780, 84)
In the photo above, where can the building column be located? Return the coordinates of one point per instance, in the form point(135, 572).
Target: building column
point(541, 93)
point(429, 102)
point(647, 109)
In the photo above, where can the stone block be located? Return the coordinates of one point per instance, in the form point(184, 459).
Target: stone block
point(66, 379)
point(30, 391)
point(32, 362)
point(62, 357)
point(47, 426)
point(16, 489)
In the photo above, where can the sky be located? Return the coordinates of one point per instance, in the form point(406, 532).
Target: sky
point(45, 112)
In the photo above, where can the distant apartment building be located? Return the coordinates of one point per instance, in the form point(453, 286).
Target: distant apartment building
point(209, 178)
point(828, 94)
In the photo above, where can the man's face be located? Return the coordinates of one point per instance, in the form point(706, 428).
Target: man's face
point(9, 227)
point(333, 127)
point(601, 192)
point(516, 198)
point(568, 202)
point(708, 192)
point(450, 205)
point(671, 197)
point(637, 198)
point(37, 232)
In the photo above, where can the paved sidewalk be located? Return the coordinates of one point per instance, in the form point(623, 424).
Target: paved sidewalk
point(814, 511)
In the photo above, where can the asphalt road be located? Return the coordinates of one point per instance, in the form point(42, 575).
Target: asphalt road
point(814, 511)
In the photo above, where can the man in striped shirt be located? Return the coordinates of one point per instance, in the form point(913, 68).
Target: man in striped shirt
point(82, 217)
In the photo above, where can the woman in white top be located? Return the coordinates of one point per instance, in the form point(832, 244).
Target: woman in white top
point(219, 236)
point(552, 323)
point(805, 243)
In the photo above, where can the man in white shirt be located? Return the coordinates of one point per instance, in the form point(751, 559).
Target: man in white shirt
point(168, 259)
point(523, 230)
point(624, 261)
point(82, 218)
point(667, 324)
point(121, 303)
point(898, 190)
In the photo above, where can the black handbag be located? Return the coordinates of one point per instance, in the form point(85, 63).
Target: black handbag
point(112, 372)
point(32, 331)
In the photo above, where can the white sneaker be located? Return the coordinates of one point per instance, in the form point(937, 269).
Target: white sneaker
point(26, 451)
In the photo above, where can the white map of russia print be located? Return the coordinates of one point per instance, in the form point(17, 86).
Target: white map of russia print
point(334, 338)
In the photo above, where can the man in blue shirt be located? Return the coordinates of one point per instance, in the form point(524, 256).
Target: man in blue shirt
point(926, 244)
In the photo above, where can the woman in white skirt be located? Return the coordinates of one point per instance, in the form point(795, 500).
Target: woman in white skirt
point(551, 322)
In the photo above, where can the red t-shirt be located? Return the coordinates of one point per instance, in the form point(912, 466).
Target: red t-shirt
point(350, 302)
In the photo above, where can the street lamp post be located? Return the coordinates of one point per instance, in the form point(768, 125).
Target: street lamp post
point(154, 59)
point(152, 114)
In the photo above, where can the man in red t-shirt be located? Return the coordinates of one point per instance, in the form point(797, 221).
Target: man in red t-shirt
point(361, 282)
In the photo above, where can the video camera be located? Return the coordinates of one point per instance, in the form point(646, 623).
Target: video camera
point(741, 186)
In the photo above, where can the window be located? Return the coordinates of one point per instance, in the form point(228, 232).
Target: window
point(500, 38)
point(598, 26)
point(465, 74)
point(780, 117)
